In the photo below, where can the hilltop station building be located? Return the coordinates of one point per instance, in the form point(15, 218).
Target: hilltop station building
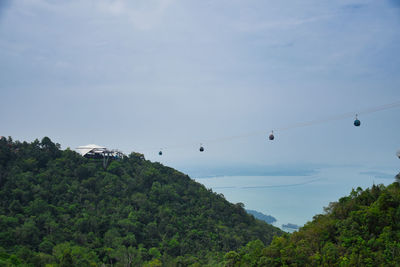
point(93, 151)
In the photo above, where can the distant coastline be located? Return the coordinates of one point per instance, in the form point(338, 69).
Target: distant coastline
point(290, 227)
point(261, 216)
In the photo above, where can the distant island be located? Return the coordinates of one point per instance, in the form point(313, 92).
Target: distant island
point(290, 226)
point(59, 208)
point(261, 216)
point(248, 170)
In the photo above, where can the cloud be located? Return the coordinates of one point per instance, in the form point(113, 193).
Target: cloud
point(279, 24)
point(191, 74)
point(4, 4)
point(354, 7)
point(395, 3)
point(144, 15)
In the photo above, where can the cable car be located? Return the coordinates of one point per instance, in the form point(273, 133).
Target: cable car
point(271, 136)
point(357, 122)
point(160, 153)
point(201, 148)
point(398, 154)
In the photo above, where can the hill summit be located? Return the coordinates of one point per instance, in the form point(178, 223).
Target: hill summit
point(57, 207)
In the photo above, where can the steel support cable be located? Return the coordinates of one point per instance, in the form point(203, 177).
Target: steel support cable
point(287, 127)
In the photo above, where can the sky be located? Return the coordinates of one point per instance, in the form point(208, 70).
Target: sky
point(165, 74)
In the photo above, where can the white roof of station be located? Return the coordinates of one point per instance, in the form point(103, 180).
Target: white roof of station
point(83, 150)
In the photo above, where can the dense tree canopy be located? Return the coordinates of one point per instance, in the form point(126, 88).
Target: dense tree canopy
point(59, 208)
point(362, 229)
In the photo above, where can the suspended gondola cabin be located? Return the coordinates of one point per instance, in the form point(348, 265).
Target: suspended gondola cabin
point(357, 122)
point(271, 136)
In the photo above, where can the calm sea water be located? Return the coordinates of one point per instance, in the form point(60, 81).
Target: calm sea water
point(295, 199)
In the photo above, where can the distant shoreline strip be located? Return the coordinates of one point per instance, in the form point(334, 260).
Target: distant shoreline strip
point(267, 186)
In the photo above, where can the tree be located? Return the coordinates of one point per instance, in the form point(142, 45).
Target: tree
point(54, 201)
point(232, 258)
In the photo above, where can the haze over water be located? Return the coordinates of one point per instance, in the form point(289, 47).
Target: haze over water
point(148, 75)
point(295, 199)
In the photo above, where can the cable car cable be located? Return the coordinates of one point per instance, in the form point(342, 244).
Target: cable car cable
point(289, 127)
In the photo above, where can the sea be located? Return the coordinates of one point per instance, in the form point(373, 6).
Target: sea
point(296, 199)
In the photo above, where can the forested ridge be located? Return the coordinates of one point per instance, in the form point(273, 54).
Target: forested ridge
point(58, 208)
point(362, 229)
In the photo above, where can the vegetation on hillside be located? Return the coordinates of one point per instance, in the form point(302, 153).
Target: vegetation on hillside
point(59, 208)
point(362, 229)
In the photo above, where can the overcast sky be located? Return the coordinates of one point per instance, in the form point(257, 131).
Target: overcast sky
point(150, 74)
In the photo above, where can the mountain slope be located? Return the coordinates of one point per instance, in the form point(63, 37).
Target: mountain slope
point(362, 229)
point(56, 206)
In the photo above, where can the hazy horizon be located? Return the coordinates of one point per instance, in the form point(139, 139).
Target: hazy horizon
point(166, 74)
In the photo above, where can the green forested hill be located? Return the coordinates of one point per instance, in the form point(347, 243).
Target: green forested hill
point(362, 229)
point(59, 208)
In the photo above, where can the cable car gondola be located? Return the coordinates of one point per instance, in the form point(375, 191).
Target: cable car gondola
point(357, 122)
point(201, 148)
point(160, 153)
point(271, 136)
